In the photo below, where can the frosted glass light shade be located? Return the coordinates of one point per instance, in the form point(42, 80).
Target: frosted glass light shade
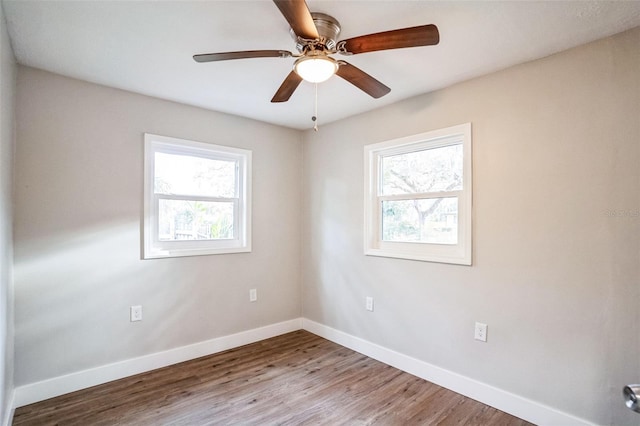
point(315, 69)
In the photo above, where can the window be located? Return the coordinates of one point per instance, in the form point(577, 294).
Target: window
point(197, 198)
point(418, 197)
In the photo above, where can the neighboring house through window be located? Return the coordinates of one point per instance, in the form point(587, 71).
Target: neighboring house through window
point(197, 198)
point(418, 197)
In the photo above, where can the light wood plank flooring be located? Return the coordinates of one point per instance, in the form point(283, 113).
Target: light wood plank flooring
point(294, 379)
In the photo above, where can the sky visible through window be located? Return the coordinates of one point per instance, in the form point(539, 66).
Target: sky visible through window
point(189, 175)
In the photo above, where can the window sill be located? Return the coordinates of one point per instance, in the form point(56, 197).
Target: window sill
point(164, 254)
point(423, 257)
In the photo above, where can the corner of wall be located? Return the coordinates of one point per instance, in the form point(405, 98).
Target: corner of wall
point(7, 144)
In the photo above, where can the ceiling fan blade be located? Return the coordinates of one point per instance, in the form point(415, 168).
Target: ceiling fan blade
point(362, 80)
point(225, 56)
point(299, 18)
point(425, 35)
point(288, 86)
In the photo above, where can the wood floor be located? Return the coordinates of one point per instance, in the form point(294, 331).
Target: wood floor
point(294, 379)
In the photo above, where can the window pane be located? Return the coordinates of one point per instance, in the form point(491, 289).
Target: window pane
point(428, 170)
point(188, 175)
point(432, 220)
point(195, 220)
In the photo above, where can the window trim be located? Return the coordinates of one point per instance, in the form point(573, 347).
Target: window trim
point(460, 253)
point(153, 247)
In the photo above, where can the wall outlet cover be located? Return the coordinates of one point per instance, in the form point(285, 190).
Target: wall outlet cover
point(481, 332)
point(369, 303)
point(136, 313)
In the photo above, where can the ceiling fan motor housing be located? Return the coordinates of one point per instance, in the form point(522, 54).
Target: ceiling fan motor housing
point(328, 28)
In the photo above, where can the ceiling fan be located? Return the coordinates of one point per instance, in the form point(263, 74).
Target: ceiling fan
point(316, 37)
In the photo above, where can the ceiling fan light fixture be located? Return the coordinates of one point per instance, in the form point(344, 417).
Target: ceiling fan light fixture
point(315, 69)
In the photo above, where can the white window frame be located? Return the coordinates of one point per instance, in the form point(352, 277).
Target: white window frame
point(459, 253)
point(241, 241)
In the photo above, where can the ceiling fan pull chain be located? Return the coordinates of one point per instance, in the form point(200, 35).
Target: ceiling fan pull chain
point(315, 111)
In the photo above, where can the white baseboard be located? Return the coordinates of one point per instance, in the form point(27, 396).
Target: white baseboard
point(524, 408)
point(39, 391)
point(518, 406)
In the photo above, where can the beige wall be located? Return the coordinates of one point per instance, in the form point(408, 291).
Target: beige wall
point(556, 147)
point(7, 89)
point(78, 210)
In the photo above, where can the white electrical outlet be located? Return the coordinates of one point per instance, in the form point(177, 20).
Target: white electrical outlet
point(253, 295)
point(369, 303)
point(136, 313)
point(481, 332)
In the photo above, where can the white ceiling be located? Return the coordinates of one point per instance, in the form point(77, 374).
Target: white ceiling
point(147, 47)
